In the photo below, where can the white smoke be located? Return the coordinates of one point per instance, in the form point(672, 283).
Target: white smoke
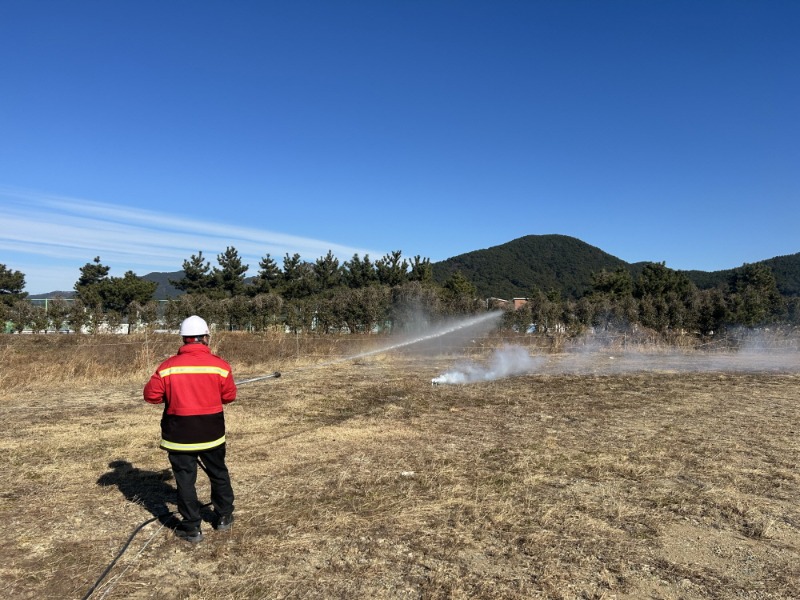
point(504, 362)
point(750, 352)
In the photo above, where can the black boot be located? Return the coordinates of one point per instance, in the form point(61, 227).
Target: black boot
point(225, 522)
point(189, 534)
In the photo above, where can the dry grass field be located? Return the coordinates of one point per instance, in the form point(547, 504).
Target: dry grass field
point(602, 477)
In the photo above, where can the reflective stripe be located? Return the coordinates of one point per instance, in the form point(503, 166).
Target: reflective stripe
point(167, 445)
point(194, 370)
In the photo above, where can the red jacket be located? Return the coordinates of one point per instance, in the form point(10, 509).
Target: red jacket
point(193, 385)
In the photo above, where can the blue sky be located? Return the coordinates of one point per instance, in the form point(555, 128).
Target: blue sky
point(144, 132)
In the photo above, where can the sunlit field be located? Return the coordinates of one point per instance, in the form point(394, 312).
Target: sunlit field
point(598, 469)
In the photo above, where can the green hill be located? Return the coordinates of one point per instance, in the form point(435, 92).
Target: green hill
point(515, 268)
point(566, 264)
point(787, 273)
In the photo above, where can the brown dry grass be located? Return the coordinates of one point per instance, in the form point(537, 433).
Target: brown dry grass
point(358, 479)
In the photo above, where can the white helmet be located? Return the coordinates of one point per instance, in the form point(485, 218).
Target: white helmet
point(194, 326)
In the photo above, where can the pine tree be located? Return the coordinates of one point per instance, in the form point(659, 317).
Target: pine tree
point(328, 272)
point(197, 277)
point(118, 293)
point(87, 288)
point(755, 299)
point(392, 269)
point(11, 285)
point(298, 278)
point(359, 273)
point(614, 284)
point(421, 270)
point(229, 277)
point(269, 276)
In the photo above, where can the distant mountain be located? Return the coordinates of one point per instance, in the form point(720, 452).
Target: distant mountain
point(546, 262)
point(165, 289)
point(514, 269)
point(69, 294)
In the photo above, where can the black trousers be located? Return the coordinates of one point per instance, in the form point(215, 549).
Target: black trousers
point(184, 466)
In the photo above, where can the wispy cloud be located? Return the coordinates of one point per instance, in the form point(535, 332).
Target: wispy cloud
point(43, 233)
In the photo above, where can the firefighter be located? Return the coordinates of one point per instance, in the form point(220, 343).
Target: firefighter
point(194, 385)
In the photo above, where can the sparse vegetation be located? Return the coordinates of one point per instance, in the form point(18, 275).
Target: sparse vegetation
point(356, 478)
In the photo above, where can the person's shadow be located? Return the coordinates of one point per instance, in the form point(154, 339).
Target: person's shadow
point(147, 488)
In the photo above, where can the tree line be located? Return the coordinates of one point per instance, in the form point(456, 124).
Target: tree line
point(359, 295)
point(665, 301)
point(393, 293)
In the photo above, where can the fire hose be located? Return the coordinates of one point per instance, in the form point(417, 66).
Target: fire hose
point(276, 374)
point(124, 548)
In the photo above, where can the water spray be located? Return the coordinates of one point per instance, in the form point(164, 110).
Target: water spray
point(483, 319)
point(437, 333)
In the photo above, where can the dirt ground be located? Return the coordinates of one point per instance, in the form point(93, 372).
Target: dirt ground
point(359, 479)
